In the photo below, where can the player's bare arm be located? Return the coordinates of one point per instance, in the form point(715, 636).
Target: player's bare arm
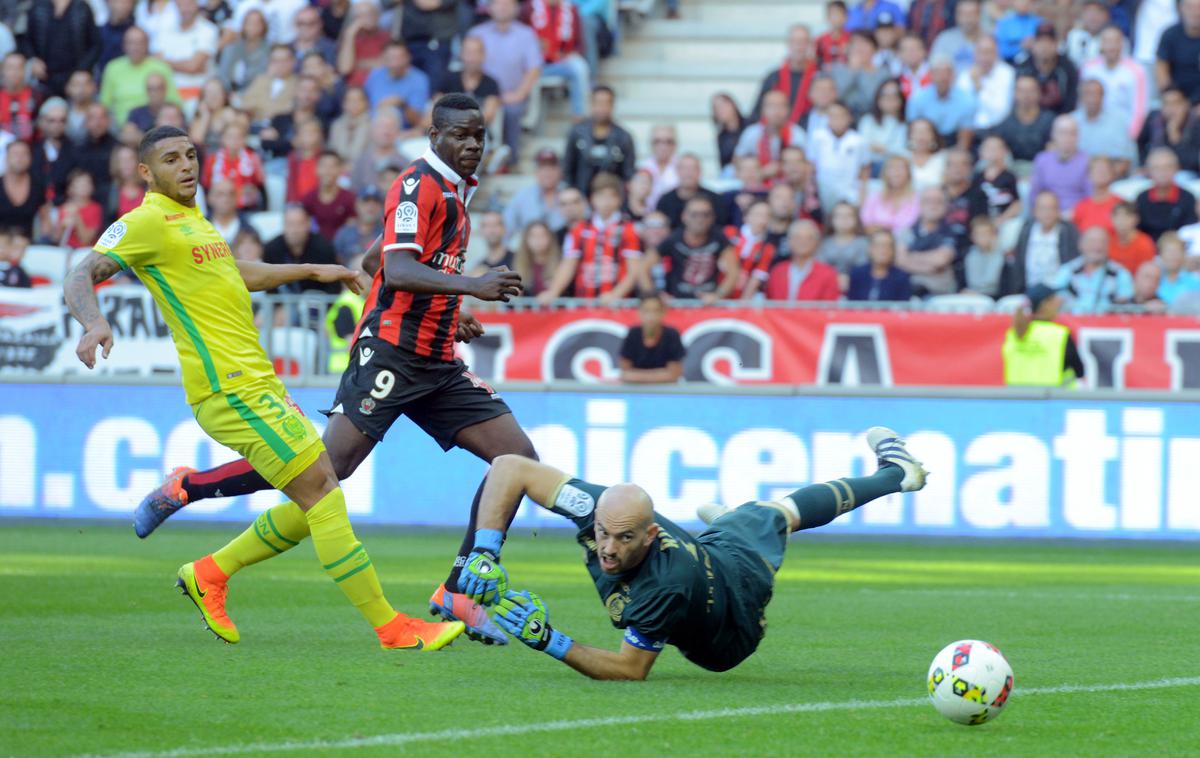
point(79, 291)
point(370, 261)
point(260, 276)
point(628, 663)
point(402, 272)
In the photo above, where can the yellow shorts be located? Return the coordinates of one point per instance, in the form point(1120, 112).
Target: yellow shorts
point(264, 425)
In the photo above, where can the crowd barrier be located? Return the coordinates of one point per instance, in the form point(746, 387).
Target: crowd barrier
point(1104, 464)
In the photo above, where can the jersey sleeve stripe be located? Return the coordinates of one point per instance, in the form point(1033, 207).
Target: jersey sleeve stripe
point(402, 246)
point(189, 326)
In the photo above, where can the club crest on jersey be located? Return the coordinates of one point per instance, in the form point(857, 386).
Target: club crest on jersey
point(293, 427)
point(367, 406)
point(406, 218)
point(113, 234)
point(616, 603)
point(410, 185)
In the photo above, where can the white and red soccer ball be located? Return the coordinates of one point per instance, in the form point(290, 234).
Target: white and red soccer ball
point(969, 682)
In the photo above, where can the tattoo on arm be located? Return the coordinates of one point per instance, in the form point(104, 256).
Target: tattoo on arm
point(79, 288)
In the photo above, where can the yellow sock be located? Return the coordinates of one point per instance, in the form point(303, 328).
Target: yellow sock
point(275, 531)
point(345, 560)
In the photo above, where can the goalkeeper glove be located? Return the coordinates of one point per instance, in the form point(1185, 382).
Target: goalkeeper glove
point(483, 579)
point(524, 616)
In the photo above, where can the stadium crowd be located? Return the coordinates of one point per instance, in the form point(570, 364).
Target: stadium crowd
point(907, 151)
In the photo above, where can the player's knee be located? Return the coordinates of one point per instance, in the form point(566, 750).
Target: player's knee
point(508, 463)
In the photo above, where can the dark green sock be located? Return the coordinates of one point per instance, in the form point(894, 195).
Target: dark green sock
point(821, 503)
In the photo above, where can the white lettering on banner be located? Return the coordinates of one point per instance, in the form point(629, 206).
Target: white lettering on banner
point(935, 504)
point(103, 459)
point(1141, 468)
point(1015, 494)
point(758, 458)
point(18, 458)
point(653, 459)
point(605, 441)
point(577, 342)
point(740, 369)
point(1085, 449)
point(1183, 482)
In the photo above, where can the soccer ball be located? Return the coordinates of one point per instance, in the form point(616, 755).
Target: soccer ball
point(969, 682)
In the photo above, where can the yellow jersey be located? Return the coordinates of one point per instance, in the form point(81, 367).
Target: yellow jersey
point(190, 270)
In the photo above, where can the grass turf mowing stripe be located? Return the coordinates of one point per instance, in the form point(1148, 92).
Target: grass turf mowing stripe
point(507, 730)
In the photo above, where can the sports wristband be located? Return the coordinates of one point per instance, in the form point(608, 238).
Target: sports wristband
point(489, 540)
point(558, 644)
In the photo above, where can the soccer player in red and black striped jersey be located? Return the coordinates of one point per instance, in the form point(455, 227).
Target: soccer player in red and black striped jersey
point(402, 361)
point(754, 253)
point(602, 255)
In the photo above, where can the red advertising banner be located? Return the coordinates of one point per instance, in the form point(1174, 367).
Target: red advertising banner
point(830, 346)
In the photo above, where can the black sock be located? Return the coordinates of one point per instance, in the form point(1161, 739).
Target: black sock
point(230, 480)
point(821, 503)
point(464, 550)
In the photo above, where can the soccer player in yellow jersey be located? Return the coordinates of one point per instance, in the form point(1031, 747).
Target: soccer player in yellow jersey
point(204, 295)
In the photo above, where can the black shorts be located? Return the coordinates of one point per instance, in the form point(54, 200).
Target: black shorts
point(383, 383)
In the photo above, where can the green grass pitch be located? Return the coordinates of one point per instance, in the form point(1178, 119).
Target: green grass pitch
point(102, 656)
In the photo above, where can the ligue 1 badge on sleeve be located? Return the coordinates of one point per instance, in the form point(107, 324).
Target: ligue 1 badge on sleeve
point(406, 218)
point(112, 235)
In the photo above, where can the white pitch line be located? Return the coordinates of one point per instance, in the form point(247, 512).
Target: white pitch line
point(508, 730)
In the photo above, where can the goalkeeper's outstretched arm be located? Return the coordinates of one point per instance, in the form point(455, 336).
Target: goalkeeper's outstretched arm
point(627, 663)
point(510, 478)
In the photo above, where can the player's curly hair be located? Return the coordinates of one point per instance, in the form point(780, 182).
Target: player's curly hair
point(456, 101)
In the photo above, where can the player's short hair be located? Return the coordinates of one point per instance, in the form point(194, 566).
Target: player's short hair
point(154, 136)
point(454, 102)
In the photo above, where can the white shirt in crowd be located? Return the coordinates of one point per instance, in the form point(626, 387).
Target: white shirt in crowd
point(1125, 90)
point(1041, 256)
point(280, 15)
point(994, 97)
point(662, 179)
point(178, 44)
point(838, 162)
point(1153, 18)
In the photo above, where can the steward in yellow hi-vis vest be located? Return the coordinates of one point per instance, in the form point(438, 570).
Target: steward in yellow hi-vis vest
point(1038, 352)
point(340, 321)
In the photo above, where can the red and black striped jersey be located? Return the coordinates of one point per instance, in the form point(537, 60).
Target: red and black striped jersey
point(425, 215)
point(604, 248)
point(755, 256)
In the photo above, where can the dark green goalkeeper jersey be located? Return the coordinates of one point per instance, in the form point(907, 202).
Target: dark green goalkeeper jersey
point(705, 595)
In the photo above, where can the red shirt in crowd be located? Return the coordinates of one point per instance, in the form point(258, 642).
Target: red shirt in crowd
point(301, 176)
point(91, 214)
point(368, 46)
point(1134, 253)
point(557, 27)
point(244, 170)
point(755, 256)
point(819, 283)
point(1089, 213)
point(603, 249)
point(831, 47)
point(329, 216)
point(18, 110)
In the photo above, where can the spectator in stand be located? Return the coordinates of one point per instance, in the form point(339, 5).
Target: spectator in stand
point(1165, 206)
point(799, 174)
point(754, 252)
point(574, 209)
point(794, 78)
point(93, 154)
point(18, 100)
point(310, 36)
point(1061, 168)
point(213, 113)
point(1097, 209)
point(729, 123)
point(189, 47)
point(537, 258)
point(858, 79)
point(298, 244)
point(997, 182)
point(637, 194)
point(964, 200)
point(865, 15)
point(894, 205)
point(846, 245)
point(927, 18)
point(950, 109)
point(1091, 283)
point(81, 92)
point(1044, 244)
point(840, 159)
point(1146, 281)
point(362, 42)
point(380, 153)
point(357, 234)
point(238, 164)
point(11, 253)
point(1027, 129)
point(673, 203)
point(1103, 132)
point(1129, 246)
point(1150, 19)
point(538, 201)
point(983, 266)
point(471, 80)
point(692, 256)
point(428, 29)
point(223, 210)
point(957, 44)
point(1190, 234)
point(329, 205)
point(883, 127)
point(599, 145)
point(278, 136)
point(496, 252)
point(782, 202)
point(802, 277)
point(245, 59)
point(272, 93)
point(887, 40)
point(144, 116)
point(560, 31)
point(926, 157)
point(821, 96)
point(990, 82)
point(1083, 41)
point(655, 232)
point(333, 17)
point(1015, 31)
point(514, 60)
point(123, 86)
point(60, 37)
point(831, 46)
point(1176, 282)
point(914, 65)
point(127, 187)
point(663, 163)
point(1124, 81)
point(75, 223)
point(766, 138)
point(752, 187)
point(878, 279)
point(53, 153)
point(398, 85)
point(350, 133)
point(603, 255)
point(247, 246)
point(928, 250)
point(153, 15)
point(280, 14)
point(651, 353)
point(21, 192)
point(307, 146)
point(1178, 51)
point(1056, 76)
point(112, 31)
point(1173, 126)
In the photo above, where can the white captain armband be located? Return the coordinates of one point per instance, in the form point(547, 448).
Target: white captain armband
point(641, 642)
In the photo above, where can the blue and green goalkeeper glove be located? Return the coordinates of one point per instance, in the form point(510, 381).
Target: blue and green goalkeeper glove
point(524, 616)
point(483, 579)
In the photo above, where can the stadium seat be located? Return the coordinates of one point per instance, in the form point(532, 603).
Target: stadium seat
point(1129, 189)
point(46, 264)
point(276, 187)
point(961, 303)
point(532, 121)
point(268, 224)
point(1010, 303)
point(293, 350)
